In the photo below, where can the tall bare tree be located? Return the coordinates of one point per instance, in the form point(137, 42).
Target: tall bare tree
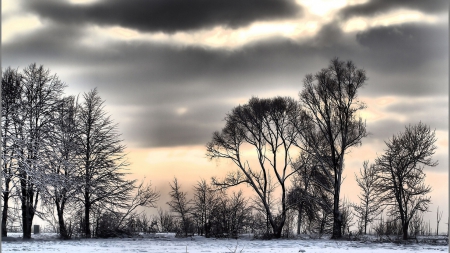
point(60, 183)
point(330, 103)
point(263, 124)
point(368, 208)
point(400, 177)
point(103, 160)
point(41, 92)
point(11, 96)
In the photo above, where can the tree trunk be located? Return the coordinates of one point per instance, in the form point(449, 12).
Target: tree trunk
point(87, 225)
point(277, 233)
point(62, 226)
point(5, 211)
point(365, 227)
point(405, 231)
point(337, 218)
point(299, 219)
point(27, 220)
point(27, 207)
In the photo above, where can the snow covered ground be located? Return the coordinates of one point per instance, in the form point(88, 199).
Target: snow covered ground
point(163, 243)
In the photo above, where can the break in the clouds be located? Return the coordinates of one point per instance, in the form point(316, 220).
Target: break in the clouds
point(166, 15)
point(376, 7)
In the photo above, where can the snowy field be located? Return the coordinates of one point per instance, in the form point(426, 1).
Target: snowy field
point(163, 243)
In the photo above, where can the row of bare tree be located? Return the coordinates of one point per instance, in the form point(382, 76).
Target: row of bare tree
point(58, 153)
point(211, 212)
point(61, 154)
point(307, 140)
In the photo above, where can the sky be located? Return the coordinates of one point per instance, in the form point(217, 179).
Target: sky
point(170, 70)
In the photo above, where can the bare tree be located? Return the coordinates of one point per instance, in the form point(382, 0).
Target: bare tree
point(119, 220)
point(166, 221)
point(307, 193)
point(40, 94)
point(180, 204)
point(11, 96)
point(103, 163)
point(237, 213)
point(145, 196)
point(330, 105)
point(205, 198)
point(438, 219)
point(263, 124)
point(229, 215)
point(400, 177)
point(368, 209)
point(59, 181)
point(347, 216)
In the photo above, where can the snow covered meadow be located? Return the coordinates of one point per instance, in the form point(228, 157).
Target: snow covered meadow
point(162, 243)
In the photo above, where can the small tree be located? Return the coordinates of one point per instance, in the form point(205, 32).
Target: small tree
point(368, 209)
point(181, 205)
point(400, 177)
point(205, 198)
point(438, 219)
point(166, 221)
point(347, 216)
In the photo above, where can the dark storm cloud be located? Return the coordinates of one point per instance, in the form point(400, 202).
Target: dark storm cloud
point(375, 7)
point(160, 78)
point(166, 15)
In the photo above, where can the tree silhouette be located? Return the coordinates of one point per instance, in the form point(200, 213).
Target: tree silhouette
point(400, 177)
point(265, 125)
point(368, 208)
point(103, 160)
point(330, 104)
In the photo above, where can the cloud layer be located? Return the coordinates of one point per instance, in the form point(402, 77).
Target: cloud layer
point(177, 95)
point(375, 7)
point(158, 79)
point(167, 16)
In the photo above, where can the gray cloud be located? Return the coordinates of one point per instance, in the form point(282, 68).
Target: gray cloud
point(409, 59)
point(158, 78)
point(165, 127)
point(420, 110)
point(166, 15)
point(384, 130)
point(374, 7)
point(406, 45)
